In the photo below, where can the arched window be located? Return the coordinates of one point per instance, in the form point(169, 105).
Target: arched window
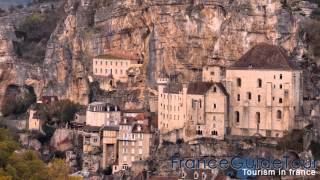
point(249, 95)
point(238, 97)
point(280, 100)
point(258, 117)
point(259, 98)
point(214, 89)
point(259, 83)
point(239, 82)
point(237, 116)
point(279, 114)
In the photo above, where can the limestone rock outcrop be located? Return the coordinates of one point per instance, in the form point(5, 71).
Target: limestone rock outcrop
point(180, 35)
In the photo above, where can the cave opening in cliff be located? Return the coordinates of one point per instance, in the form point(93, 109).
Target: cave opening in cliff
point(17, 99)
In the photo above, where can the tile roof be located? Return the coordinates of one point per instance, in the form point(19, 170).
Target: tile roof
point(265, 56)
point(201, 88)
point(118, 54)
point(110, 128)
point(173, 88)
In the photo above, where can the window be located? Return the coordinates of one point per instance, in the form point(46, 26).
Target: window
point(238, 82)
point(96, 62)
point(212, 73)
point(259, 98)
point(259, 83)
point(258, 117)
point(238, 97)
point(140, 151)
point(249, 95)
point(237, 116)
point(214, 89)
point(106, 62)
point(280, 100)
point(280, 86)
point(214, 106)
point(280, 76)
point(279, 114)
point(106, 71)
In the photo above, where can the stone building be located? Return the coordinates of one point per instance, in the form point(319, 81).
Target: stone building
point(113, 66)
point(109, 145)
point(214, 73)
point(172, 109)
point(91, 149)
point(207, 110)
point(102, 114)
point(36, 119)
point(134, 143)
point(199, 108)
point(265, 90)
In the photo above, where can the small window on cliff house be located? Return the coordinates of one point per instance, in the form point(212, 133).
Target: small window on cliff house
point(238, 97)
point(280, 76)
point(237, 116)
point(249, 95)
point(280, 100)
point(214, 89)
point(279, 114)
point(239, 82)
point(259, 83)
point(259, 98)
point(258, 117)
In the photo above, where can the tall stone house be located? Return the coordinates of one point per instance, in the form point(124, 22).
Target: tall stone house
point(134, 143)
point(265, 90)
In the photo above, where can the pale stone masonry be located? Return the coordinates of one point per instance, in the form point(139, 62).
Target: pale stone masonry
point(260, 94)
point(207, 110)
point(115, 139)
point(111, 67)
point(102, 114)
point(199, 108)
point(266, 92)
point(134, 143)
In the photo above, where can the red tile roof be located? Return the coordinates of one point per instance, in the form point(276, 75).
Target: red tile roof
point(119, 54)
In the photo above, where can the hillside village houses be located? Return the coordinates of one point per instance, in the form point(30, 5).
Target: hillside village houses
point(114, 138)
point(258, 95)
point(113, 67)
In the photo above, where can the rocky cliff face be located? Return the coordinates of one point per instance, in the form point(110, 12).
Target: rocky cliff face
point(180, 35)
